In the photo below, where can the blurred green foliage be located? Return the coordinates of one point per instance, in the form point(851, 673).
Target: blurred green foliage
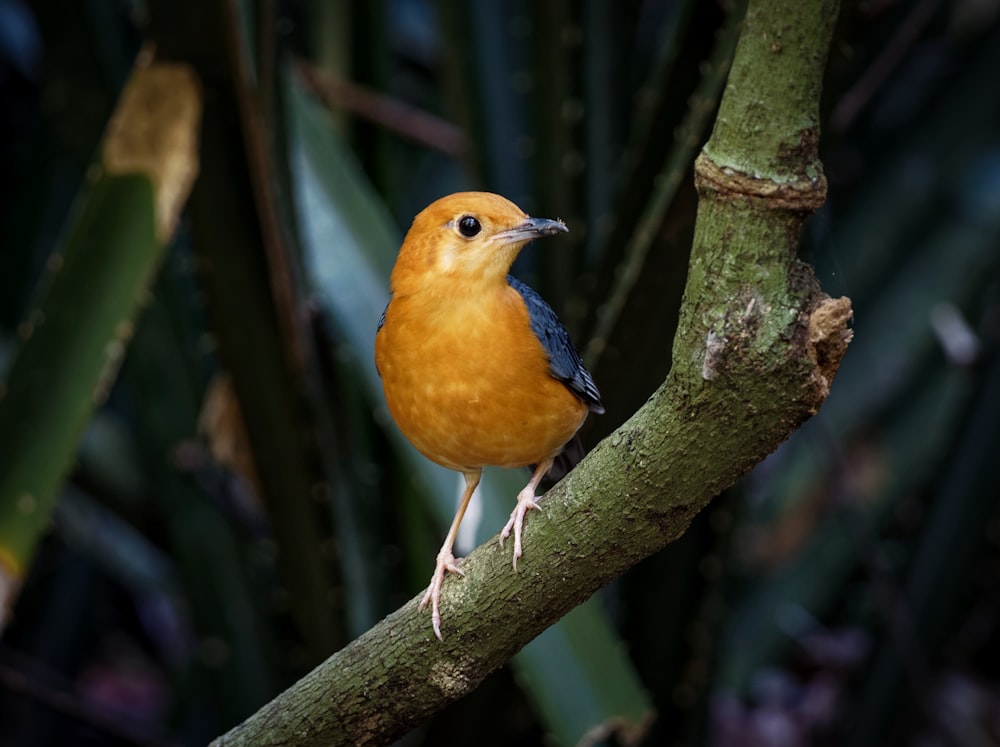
point(204, 554)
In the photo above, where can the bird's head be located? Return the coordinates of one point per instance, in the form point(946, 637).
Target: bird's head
point(472, 236)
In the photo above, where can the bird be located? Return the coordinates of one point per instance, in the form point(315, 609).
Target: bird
point(476, 367)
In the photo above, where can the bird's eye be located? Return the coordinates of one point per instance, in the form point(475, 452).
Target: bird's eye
point(469, 226)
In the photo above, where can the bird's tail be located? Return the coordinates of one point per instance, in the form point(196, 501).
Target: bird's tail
point(566, 460)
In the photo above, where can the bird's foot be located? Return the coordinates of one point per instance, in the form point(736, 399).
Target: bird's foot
point(525, 502)
point(445, 563)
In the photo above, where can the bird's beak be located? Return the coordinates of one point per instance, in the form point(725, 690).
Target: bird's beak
point(532, 228)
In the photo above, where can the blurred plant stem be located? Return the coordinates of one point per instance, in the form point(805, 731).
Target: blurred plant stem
point(75, 336)
point(253, 296)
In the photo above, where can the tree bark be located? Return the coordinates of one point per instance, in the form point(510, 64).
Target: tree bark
point(755, 353)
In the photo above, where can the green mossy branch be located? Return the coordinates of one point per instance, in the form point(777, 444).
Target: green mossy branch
point(756, 350)
point(768, 122)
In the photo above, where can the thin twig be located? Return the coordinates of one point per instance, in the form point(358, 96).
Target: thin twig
point(392, 114)
point(855, 101)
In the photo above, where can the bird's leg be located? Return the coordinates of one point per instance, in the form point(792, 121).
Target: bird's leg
point(525, 502)
point(445, 559)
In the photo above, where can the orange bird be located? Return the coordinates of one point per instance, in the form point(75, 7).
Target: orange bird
point(476, 367)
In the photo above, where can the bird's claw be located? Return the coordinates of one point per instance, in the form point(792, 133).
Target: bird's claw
point(525, 502)
point(446, 563)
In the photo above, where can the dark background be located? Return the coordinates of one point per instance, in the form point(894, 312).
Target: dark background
point(844, 593)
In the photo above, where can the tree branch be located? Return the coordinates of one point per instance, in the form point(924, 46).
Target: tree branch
point(757, 347)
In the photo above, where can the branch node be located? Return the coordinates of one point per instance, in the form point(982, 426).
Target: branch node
point(829, 336)
point(804, 194)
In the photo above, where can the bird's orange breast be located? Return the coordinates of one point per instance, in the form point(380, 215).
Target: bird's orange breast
point(468, 382)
